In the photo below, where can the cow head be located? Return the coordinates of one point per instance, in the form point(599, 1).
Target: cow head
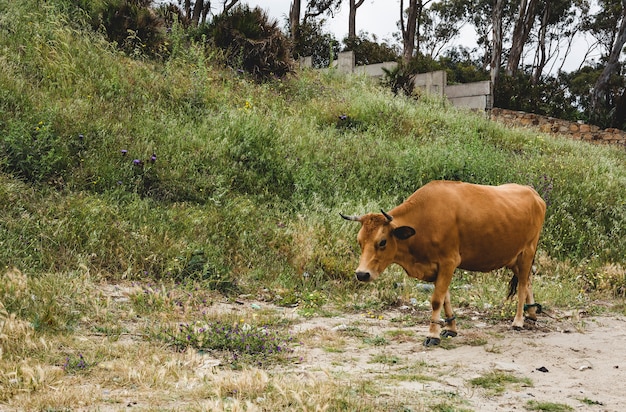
point(378, 238)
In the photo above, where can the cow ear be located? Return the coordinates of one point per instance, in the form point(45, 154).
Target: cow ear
point(403, 232)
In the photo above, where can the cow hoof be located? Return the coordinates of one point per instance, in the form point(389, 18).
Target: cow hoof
point(448, 333)
point(431, 342)
point(518, 328)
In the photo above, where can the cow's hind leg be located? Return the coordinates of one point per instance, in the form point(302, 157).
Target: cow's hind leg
point(531, 308)
point(522, 270)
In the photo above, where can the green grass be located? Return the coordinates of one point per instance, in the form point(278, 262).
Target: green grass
point(497, 382)
point(548, 406)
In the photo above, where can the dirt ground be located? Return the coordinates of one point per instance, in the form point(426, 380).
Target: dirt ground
point(568, 358)
point(565, 359)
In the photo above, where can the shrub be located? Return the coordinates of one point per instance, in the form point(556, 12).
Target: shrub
point(132, 24)
point(239, 342)
point(252, 43)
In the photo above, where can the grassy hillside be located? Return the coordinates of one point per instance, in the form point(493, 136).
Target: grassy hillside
point(182, 169)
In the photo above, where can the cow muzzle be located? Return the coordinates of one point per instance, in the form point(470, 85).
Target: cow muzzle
point(363, 276)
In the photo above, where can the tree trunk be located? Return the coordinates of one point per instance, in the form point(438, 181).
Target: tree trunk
point(197, 11)
point(540, 58)
point(294, 20)
point(619, 118)
point(496, 49)
point(408, 30)
point(187, 8)
point(523, 25)
point(354, 5)
point(599, 94)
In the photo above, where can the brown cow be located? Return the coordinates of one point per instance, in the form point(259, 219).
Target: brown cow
point(447, 225)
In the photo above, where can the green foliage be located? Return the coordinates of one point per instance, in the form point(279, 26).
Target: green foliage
point(368, 51)
point(131, 24)
point(399, 79)
point(252, 42)
point(313, 41)
point(549, 96)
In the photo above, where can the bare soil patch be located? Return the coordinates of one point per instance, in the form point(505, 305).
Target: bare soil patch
point(570, 359)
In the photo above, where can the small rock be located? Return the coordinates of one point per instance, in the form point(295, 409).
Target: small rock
point(506, 367)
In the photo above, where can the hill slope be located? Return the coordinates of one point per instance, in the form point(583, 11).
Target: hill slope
point(182, 168)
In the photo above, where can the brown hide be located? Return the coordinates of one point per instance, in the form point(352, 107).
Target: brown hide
point(445, 225)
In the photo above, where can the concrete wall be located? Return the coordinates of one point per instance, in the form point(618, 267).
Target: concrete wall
point(432, 83)
point(472, 95)
point(477, 95)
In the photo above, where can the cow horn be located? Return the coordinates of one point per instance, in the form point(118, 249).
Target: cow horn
point(388, 216)
point(353, 218)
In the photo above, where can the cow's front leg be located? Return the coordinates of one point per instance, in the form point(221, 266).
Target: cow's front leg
point(440, 295)
point(449, 323)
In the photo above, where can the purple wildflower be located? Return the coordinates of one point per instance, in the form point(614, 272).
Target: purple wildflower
point(124, 152)
point(153, 158)
point(137, 162)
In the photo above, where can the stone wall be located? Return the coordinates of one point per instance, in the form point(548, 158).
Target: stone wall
point(574, 130)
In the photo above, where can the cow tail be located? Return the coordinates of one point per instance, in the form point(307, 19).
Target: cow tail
point(512, 286)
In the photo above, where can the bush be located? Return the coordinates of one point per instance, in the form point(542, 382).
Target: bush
point(252, 43)
point(132, 24)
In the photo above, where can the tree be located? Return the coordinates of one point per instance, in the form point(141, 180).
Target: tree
point(600, 98)
point(440, 24)
point(314, 9)
point(294, 19)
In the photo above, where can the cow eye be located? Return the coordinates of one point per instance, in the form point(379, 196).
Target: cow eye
point(382, 243)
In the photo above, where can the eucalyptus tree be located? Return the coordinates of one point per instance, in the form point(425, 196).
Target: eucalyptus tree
point(440, 25)
point(410, 22)
point(609, 93)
